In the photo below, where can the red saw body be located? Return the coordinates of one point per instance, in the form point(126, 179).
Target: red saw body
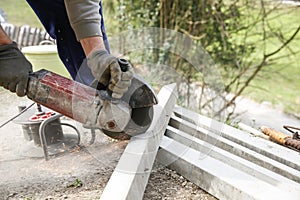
point(94, 108)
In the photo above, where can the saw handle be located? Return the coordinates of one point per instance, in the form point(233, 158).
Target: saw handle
point(123, 64)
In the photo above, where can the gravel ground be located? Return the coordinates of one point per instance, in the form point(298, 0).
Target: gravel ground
point(80, 172)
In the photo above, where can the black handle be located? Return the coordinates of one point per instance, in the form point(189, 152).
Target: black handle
point(123, 64)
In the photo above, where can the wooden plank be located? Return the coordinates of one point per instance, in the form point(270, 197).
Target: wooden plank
point(269, 149)
point(221, 179)
point(235, 148)
point(131, 175)
point(252, 131)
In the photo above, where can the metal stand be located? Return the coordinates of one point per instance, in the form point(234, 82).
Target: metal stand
point(42, 134)
point(46, 133)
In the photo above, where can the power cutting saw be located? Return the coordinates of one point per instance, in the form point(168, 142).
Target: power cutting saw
point(95, 108)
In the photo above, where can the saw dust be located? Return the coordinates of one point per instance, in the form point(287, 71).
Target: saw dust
point(80, 172)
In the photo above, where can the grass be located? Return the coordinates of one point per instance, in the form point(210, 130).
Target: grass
point(19, 13)
point(279, 82)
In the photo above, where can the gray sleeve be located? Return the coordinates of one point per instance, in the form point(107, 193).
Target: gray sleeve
point(84, 17)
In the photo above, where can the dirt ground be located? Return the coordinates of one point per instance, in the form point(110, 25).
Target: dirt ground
point(77, 172)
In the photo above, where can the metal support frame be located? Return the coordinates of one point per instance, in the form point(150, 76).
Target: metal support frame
point(42, 133)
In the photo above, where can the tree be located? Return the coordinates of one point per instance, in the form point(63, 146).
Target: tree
point(237, 34)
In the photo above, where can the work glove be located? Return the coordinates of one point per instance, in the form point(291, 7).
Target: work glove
point(14, 69)
point(107, 71)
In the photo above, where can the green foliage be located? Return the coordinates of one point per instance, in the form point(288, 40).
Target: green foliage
point(240, 35)
point(135, 14)
point(76, 184)
point(210, 23)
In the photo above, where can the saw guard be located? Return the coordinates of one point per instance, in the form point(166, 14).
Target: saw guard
point(139, 123)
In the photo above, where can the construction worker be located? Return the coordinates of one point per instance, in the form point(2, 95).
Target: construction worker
point(78, 27)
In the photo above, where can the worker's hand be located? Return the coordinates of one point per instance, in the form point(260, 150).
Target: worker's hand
point(14, 69)
point(107, 71)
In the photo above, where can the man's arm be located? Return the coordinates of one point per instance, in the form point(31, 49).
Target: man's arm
point(85, 20)
point(4, 39)
point(14, 67)
point(91, 44)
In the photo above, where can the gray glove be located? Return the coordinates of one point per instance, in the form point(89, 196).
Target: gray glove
point(14, 69)
point(106, 69)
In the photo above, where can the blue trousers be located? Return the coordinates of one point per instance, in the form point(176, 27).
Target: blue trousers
point(53, 16)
